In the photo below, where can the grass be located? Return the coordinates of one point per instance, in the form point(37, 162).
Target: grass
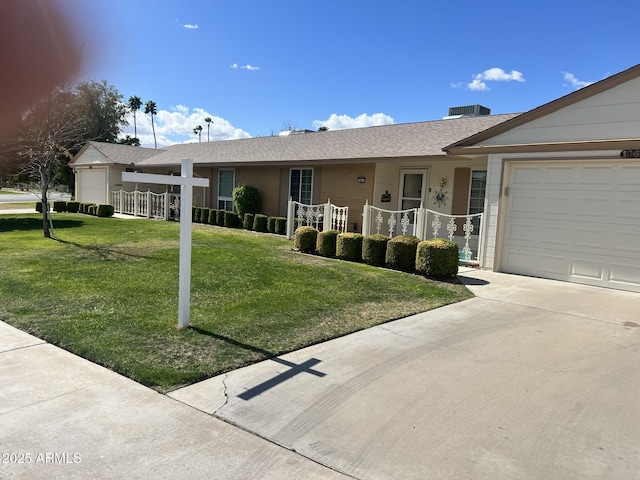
point(107, 290)
point(18, 206)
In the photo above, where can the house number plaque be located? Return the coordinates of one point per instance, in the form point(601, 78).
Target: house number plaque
point(631, 153)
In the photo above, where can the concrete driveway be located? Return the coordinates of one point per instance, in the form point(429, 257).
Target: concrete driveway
point(532, 379)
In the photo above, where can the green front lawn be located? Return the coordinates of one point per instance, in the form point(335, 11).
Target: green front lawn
point(108, 290)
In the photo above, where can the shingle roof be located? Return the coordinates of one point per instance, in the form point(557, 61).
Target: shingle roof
point(117, 153)
point(420, 139)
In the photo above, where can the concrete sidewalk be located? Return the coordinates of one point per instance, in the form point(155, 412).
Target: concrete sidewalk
point(531, 379)
point(62, 417)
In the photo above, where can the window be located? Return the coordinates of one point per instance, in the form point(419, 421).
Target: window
point(476, 196)
point(300, 184)
point(226, 181)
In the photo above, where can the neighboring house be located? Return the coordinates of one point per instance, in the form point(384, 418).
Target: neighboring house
point(559, 185)
point(563, 187)
point(392, 167)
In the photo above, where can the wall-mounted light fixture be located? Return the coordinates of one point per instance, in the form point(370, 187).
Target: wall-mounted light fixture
point(386, 197)
point(361, 179)
point(443, 182)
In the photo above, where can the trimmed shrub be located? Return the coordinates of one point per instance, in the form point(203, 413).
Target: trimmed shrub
point(59, 206)
point(305, 239)
point(220, 218)
point(204, 215)
point(91, 209)
point(105, 210)
point(260, 223)
point(437, 257)
point(281, 226)
point(349, 246)
point(326, 243)
point(271, 224)
point(193, 214)
point(248, 221)
point(246, 199)
point(197, 214)
point(213, 215)
point(39, 207)
point(231, 220)
point(401, 252)
point(72, 207)
point(374, 249)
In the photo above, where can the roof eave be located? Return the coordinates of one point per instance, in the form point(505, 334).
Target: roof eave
point(587, 145)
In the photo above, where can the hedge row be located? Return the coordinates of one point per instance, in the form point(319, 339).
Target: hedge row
point(435, 257)
point(99, 210)
point(250, 221)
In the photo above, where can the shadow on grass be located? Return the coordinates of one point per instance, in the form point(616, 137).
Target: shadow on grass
point(294, 368)
point(100, 251)
point(30, 223)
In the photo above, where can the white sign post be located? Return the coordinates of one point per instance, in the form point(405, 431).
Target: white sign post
point(186, 182)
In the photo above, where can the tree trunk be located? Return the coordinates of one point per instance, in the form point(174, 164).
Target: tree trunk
point(44, 177)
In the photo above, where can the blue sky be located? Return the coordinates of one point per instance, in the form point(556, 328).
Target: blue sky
point(256, 67)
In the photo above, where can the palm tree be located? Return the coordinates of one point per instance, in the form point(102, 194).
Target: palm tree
point(134, 104)
point(209, 122)
point(150, 107)
point(198, 131)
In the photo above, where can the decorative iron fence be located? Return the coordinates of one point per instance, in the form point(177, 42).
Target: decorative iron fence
point(146, 204)
point(425, 224)
point(315, 215)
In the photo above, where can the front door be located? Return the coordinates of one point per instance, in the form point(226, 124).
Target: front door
point(413, 185)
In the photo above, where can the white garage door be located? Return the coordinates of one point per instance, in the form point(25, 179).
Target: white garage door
point(92, 185)
point(574, 221)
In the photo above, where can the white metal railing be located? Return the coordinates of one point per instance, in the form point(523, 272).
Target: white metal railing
point(145, 204)
point(315, 216)
point(425, 224)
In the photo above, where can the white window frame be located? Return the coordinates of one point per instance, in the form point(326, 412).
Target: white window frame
point(301, 169)
point(225, 198)
point(476, 223)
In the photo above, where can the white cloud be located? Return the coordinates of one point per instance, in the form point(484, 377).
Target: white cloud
point(190, 26)
point(244, 67)
point(341, 122)
point(572, 81)
point(479, 82)
point(176, 126)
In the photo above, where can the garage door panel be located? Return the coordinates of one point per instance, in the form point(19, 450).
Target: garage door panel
point(625, 276)
point(587, 268)
point(580, 222)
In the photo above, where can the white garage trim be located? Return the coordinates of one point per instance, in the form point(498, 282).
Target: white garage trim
point(573, 220)
point(92, 185)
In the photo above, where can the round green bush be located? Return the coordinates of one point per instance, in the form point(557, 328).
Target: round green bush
point(248, 221)
point(281, 225)
point(437, 257)
point(349, 246)
point(401, 253)
point(231, 220)
point(220, 218)
point(326, 243)
point(246, 199)
point(59, 206)
point(260, 223)
point(305, 239)
point(271, 224)
point(213, 216)
point(374, 249)
point(104, 210)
